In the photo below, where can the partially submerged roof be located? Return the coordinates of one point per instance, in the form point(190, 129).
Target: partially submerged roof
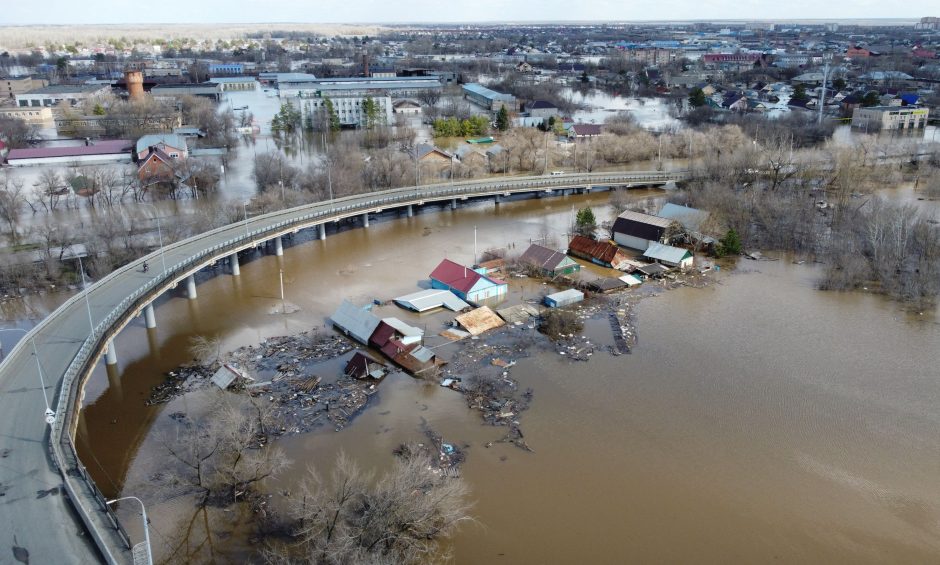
point(518, 313)
point(432, 298)
point(603, 251)
point(566, 296)
point(355, 321)
point(607, 284)
point(409, 332)
point(480, 320)
point(543, 257)
point(361, 365)
point(666, 253)
point(652, 270)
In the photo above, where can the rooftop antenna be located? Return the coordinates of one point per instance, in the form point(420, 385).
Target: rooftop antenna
point(474, 245)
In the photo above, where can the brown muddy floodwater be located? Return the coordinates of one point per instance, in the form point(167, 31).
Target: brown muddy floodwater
point(757, 420)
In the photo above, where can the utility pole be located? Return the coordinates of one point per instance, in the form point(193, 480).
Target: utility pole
point(91, 323)
point(822, 93)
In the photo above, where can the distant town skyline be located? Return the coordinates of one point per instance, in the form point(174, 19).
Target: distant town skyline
point(61, 12)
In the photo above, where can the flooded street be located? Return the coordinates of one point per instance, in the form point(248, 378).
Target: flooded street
point(756, 420)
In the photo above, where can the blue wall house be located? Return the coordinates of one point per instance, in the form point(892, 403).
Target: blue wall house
point(466, 283)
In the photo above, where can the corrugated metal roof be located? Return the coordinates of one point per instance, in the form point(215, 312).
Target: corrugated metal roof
point(487, 92)
point(433, 298)
point(409, 332)
point(645, 219)
point(355, 321)
point(480, 320)
point(666, 253)
point(422, 354)
point(103, 147)
point(543, 257)
point(456, 276)
point(691, 218)
point(603, 251)
point(566, 296)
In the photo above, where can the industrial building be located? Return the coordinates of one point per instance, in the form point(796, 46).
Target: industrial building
point(172, 91)
point(303, 85)
point(53, 95)
point(878, 118)
point(104, 151)
point(489, 99)
point(11, 86)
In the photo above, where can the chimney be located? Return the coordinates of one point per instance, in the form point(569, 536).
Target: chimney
point(365, 64)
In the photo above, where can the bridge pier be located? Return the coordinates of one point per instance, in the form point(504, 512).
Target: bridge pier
point(114, 381)
point(322, 231)
point(497, 200)
point(278, 246)
point(453, 203)
point(149, 317)
point(365, 220)
point(233, 262)
point(191, 287)
point(410, 211)
point(153, 343)
point(110, 355)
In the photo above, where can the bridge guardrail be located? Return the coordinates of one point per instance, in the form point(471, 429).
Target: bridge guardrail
point(79, 365)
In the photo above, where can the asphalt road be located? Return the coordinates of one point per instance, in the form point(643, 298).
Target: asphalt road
point(37, 522)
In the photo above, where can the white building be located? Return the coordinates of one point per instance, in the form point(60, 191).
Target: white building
point(53, 95)
point(348, 107)
point(878, 118)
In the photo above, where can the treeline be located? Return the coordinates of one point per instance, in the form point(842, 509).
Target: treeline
point(827, 204)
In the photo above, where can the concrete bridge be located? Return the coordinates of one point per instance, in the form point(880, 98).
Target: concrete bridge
point(50, 509)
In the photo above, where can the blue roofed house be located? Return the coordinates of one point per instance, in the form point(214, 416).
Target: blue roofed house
point(466, 283)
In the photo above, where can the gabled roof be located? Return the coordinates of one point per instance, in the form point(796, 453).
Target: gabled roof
point(170, 139)
point(423, 150)
point(586, 129)
point(355, 321)
point(543, 257)
point(457, 276)
point(542, 105)
point(666, 253)
point(603, 251)
point(690, 218)
point(432, 298)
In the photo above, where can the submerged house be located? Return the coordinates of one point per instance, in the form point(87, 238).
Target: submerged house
point(361, 366)
point(551, 263)
point(669, 255)
point(466, 283)
point(603, 253)
point(358, 323)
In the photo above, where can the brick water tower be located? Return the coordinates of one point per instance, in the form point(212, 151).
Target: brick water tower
point(135, 85)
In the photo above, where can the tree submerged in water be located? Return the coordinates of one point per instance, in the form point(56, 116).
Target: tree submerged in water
point(352, 517)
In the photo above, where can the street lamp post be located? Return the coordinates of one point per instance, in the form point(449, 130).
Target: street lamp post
point(50, 414)
point(91, 322)
point(143, 513)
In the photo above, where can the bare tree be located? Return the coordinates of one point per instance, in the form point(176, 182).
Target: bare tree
point(397, 518)
point(12, 198)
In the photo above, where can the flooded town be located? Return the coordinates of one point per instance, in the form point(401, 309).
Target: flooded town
point(470, 293)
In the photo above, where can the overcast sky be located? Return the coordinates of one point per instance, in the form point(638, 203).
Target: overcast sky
point(385, 11)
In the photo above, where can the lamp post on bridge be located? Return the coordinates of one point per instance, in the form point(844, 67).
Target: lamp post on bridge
point(50, 414)
point(143, 513)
